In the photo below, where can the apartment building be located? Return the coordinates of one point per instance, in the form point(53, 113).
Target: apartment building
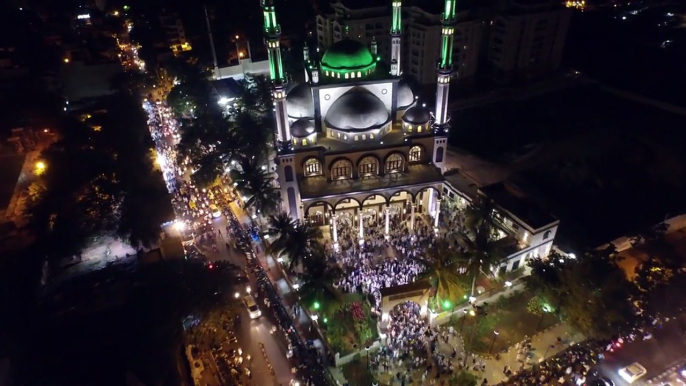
point(421, 37)
point(175, 33)
point(528, 40)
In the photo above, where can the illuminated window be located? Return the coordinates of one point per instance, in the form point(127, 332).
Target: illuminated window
point(338, 134)
point(359, 74)
point(357, 137)
point(364, 137)
point(341, 170)
point(313, 167)
point(409, 128)
point(415, 153)
point(371, 136)
point(394, 163)
point(369, 166)
point(419, 129)
point(346, 75)
point(345, 137)
point(304, 141)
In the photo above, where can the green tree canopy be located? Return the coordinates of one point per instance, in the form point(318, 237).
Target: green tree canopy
point(590, 292)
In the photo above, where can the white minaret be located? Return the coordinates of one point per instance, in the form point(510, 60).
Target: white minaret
point(396, 37)
point(375, 48)
point(272, 33)
point(444, 67)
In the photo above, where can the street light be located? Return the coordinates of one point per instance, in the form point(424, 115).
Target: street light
point(463, 319)
point(316, 305)
point(366, 348)
point(495, 335)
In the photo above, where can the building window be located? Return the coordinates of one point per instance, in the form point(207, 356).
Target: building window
point(357, 137)
point(371, 136)
point(409, 128)
point(304, 141)
point(288, 173)
point(439, 154)
point(313, 167)
point(364, 137)
point(419, 129)
point(546, 235)
point(341, 170)
point(359, 74)
point(369, 166)
point(415, 153)
point(394, 163)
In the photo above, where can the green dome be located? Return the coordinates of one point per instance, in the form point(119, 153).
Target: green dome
point(347, 55)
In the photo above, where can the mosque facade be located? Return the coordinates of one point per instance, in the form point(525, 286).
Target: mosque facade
point(353, 143)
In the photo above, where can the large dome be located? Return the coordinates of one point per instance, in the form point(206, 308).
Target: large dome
point(357, 110)
point(405, 94)
point(299, 103)
point(417, 115)
point(302, 128)
point(347, 55)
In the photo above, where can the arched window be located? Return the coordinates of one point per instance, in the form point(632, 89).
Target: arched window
point(394, 163)
point(313, 167)
point(546, 234)
point(439, 154)
point(288, 173)
point(369, 166)
point(342, 170)
point(415, 153)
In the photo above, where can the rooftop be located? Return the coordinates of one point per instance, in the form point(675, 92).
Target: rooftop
point(319, 187)
point(510, 198)
point(394, 138)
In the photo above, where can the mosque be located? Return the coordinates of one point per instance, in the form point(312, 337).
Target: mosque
point(353, 142)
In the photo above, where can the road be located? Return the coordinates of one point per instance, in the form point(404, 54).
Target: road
point(664, 352)
point(251, 334)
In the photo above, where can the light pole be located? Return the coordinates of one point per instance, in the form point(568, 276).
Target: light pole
point(464, 317)
point(495, 335)
point(366, 348)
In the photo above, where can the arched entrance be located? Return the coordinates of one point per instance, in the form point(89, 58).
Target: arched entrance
point(417, 292)
point(429, 204)
point(319, 213)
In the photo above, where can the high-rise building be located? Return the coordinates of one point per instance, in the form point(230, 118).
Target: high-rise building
point(528, 39)
point(175, 33)
point(417, 30)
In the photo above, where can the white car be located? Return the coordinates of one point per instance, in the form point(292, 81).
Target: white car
point(632, 372)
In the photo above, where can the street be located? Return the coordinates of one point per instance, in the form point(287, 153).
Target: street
point(666, 350)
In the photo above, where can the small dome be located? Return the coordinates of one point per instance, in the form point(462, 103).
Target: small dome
point(417, 115)
point(299, 102)
point(347, 55)
point(357, 109)
point(302, 128)
point(405, 94)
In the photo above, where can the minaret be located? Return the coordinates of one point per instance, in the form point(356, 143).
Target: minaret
point(396, 36)
point(272, 32)
point(444, 66)
point(375, 47)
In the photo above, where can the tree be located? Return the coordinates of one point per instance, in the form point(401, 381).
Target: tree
point(483, 251)
point(441, 263)
point(100, 180)
point(280, 226)
point(590, 292)
point(300, 246)
point(317, 283)
point(463, 378)
point(254, 182)
point(657, 282)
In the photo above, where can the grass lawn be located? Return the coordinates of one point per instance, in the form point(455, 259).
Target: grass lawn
point(510, 317)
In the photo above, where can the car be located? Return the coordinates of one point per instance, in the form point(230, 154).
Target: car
point(216, 213)
point(632, 372)
point(250, 304)
point(602, 381)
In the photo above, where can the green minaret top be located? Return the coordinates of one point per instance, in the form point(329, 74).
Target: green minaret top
point(397, 26)
point(449, 11)
point(271, 27)
point(272, 31)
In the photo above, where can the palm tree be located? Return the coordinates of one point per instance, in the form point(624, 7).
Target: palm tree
point(483, 252)
point(301, 245)
point(317, 284)
point(256, 185)
point(280, 226)
point(441, 265)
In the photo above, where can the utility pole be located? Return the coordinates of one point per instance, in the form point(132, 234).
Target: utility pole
point(214, 53)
